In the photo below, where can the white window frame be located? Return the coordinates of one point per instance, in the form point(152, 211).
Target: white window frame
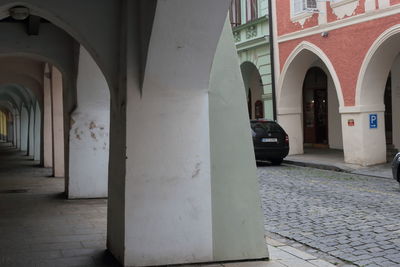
point(303, 9)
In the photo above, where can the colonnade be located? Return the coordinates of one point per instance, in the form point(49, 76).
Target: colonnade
point(137, 104)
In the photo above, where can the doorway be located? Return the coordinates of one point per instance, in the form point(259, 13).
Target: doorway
point(388, 111)
point(315, 108)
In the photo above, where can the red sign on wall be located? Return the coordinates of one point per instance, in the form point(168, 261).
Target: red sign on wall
point(350, 122)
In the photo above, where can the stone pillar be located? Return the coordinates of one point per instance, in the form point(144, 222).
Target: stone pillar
point(14, 132)
point(37, 131)
point(292, 122)
point(17, 130)
point(2, 129)
point(164, 210)
point(24, 128)
point(31, 140)
point(58, 122)
point(238, 228)
point(47, 120)
point(89, 134)
point(362, 144)
point(10, 128)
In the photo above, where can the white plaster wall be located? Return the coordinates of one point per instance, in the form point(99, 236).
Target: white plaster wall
point(293, 126)
point(24, 128)
point(395, 102)
point(89, 134)
point(31, 139)
point(362, 145)
point(38, 128)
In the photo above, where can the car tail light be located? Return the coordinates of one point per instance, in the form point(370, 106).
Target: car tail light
point(286, 139)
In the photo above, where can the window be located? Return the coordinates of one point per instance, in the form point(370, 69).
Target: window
point(235, 13)
point(300, 6)
point(251, 10)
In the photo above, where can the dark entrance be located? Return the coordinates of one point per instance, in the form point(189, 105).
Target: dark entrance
point(315, 108)
point(388, 111)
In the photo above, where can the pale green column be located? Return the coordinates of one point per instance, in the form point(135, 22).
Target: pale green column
point(238, 230)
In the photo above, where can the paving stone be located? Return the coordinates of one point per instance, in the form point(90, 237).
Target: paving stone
point(298, 253)
point(351, 216)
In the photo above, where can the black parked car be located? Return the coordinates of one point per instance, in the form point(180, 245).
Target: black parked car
point(270, 141)
point(395, 167)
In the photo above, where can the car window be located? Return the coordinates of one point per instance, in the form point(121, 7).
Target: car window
point(260, 127)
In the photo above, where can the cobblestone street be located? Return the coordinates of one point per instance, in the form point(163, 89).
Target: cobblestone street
point(352, 217)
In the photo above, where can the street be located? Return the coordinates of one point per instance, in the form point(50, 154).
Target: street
point(352, 217)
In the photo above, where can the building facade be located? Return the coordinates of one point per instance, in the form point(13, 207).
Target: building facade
point(337, 73)
point(249, 20)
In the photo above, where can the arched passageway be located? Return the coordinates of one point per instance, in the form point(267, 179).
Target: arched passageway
point(254, 90)
point(164, 182)
point(376, 110)
point(309, 98)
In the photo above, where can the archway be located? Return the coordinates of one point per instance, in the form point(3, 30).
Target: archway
point(290, 98)
point(153, 103)
point(254, 90)
point(377, 98)
point(315, 108)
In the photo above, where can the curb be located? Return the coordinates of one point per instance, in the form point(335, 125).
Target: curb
point(327, 167)
point(316, 166)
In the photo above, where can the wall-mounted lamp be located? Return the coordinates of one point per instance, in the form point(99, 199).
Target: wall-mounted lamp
point(19, 12)
point(325, 34)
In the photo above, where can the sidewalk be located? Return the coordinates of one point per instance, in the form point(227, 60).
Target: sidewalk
point(282, 255)
point(332, 159)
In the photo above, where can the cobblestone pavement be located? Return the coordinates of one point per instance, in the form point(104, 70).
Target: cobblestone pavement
point(352, 217)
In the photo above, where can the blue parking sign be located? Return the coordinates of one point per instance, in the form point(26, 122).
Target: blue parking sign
point(373, 121)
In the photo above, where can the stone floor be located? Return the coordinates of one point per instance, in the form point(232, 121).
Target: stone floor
point(353, 217)
point(39, 227)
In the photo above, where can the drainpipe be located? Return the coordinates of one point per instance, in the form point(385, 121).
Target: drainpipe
point(271, 46)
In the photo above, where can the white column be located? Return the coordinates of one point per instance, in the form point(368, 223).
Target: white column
point(37, 132)
point(292, 123)
point(10, 128)
point(18, 130)
point(362, 144)
point(47, 120)
point(89, 134)
point(15, 142)
point(161, 212)
point(58, 122)
point(2, 132)
point(31, 140)
point(24, 128)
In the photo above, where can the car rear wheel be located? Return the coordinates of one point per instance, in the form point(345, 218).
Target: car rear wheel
point(276, 162)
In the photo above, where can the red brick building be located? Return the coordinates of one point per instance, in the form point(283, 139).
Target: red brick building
point(338, 75)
